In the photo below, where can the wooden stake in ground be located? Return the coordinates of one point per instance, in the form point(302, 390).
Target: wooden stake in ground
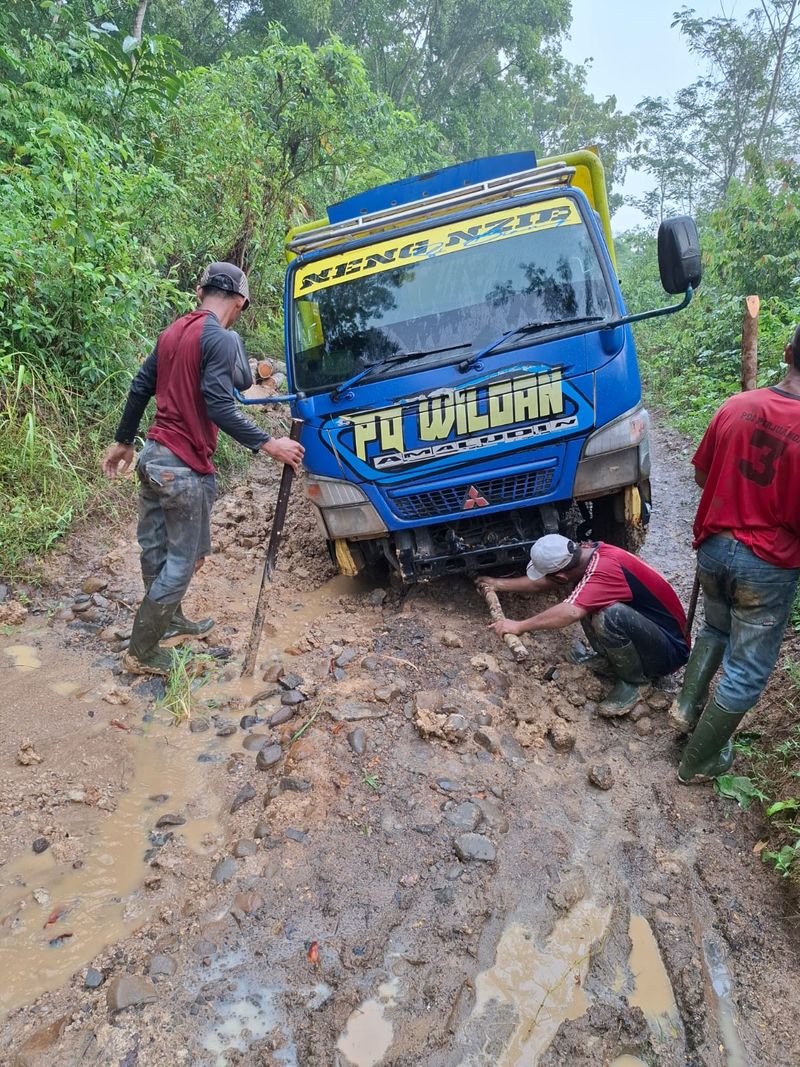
point(513, 642)
point(752, 306)
point(275, 537)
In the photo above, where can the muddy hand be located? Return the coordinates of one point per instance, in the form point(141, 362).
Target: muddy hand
point(117, 460)
point(506, 626)
point(284, 450)
point(492, 584)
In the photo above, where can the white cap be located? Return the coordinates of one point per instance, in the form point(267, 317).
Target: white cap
point(549, 554)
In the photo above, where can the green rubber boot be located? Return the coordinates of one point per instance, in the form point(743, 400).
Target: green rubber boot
point(179, 625)
point(702, 666)
point(631, 681)
point(144, 655)
point(710, 749)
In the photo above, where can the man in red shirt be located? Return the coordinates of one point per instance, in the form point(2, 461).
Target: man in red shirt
point(632, 616)
point(747, 536)
point(192, 372)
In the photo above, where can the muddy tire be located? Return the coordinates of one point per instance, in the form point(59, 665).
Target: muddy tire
point(607, 525)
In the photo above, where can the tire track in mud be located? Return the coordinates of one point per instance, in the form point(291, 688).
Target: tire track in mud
point(365, 903)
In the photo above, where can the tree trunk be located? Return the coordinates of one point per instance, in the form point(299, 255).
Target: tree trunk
point(750, 343)
point(776, 77)
point(138, 21)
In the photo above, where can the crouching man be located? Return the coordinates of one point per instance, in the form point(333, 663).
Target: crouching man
point(631, 616)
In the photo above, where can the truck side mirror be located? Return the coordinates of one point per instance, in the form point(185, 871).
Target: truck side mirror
point(679, 261)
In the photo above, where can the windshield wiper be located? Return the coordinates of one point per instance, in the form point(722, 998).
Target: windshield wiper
point(528, 327)
point(390, 361)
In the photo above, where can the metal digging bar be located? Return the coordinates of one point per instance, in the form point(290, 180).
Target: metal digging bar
point(275, 538)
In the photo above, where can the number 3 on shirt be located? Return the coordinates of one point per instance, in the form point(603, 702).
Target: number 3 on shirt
point(768, 449)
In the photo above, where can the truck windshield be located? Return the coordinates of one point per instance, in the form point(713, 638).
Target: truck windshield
point(455, 284)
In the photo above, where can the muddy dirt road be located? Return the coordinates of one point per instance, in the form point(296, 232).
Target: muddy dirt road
point(447, 859)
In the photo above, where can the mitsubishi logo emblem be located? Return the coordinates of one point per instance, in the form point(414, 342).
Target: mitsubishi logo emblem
point(473, 499)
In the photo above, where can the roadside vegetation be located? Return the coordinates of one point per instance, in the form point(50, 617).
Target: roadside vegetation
point(140, 139)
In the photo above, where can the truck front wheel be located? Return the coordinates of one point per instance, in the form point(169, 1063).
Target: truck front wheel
point(621, 518)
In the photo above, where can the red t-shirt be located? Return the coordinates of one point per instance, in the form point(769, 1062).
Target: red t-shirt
point(750, 455)
point(615, 576)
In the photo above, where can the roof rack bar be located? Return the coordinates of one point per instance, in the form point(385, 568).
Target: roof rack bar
point(552, 174)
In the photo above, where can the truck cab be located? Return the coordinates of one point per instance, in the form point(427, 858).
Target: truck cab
point(459, 352)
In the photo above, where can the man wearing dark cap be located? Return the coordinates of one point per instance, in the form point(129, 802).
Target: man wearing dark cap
point(631, 616)
point(192, 372)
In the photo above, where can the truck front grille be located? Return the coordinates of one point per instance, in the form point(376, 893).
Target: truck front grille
point(467, 498)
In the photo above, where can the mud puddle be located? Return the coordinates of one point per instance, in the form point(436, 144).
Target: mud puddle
point(57, 918)
point(23, 657)
point(652, 990)
point(369, 1034)
point(722, 985)
point(544, 984)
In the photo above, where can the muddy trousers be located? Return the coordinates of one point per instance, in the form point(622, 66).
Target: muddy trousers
point(619, 625)
point(174, 521)
point(746, 603)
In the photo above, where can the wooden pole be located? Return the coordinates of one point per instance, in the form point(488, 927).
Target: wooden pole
point(752, 306)
point(275, 537)
point(513, 642)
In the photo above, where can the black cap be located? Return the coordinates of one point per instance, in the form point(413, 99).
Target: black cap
point(227, 277)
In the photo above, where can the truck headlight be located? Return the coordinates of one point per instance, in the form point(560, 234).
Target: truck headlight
point(629, 429)
point(615, 455)
point(344, 509)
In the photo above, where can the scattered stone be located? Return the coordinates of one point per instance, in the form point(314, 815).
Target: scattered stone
point(484, 719)
point(338, 674)
point(268, 756)
point(94, 584)
point(93, 978)
point(644, 727)
point(279, 717)
point(244, 848)
point(497, 683)
point(128, 991)
point(451, 640)
point(291, 697)
point(562, 736)
point(248, 902)
point(425, 828)
point(162, 966)
point(255, 742)
point(456, 727)
point(198, 726)
point(357, 740)
point(170, 820)
point(465, 817)
point(294, 785)
point(377, 597)
point(40, 844)
point(273, 673)
point(345, 657)
point(494, 817)
point(601, 775)
point(290, 681)
point(571, 889)
point(263, 694)
point(484, 662)
point(488, 738)
point(387, 693)
point(427, 702)
point(226, 729)
point(640, 710)
point(159, 798)
point(370, 663)
point(41, 896)
point(246, 793)
point(659, 700)
point(351, 712)
point(223, 871)
point(300, 836)
point(474, 847)
point(447, 785)
point(40, 1043)
point(247, 722)
point(261, 830)
point(658, 900)
point(550, 674)
point(27, 755)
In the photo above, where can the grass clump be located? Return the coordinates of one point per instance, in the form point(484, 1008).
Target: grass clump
point(189, 672)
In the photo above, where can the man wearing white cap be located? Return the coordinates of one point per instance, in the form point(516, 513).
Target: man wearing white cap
point(631, 616)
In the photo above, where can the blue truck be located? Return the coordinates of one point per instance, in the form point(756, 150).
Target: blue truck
point(458, 349)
